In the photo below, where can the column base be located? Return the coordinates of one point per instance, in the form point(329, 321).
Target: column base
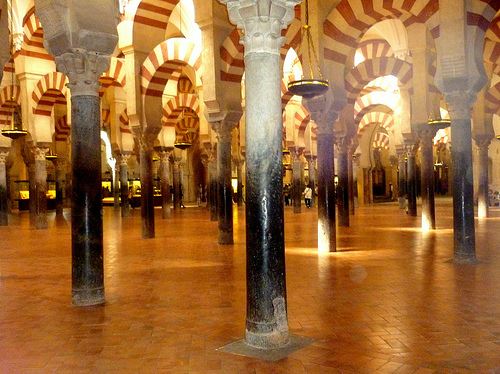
point(88, 297)
point(465, 259)
point(225, 238)
point(269, 340)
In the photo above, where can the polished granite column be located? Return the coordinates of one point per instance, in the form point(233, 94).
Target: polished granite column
point(459, 105)
point(176, 176)
point(311, 164)
point(147, 194)
point(224, 187)
point(426, 135)
point(39, 196)
point(262, 22)
point(296, 179)
point(212, 187)
point(343, 186)
point(4, 211)
point(83, 70)
point(401, 176)
point(124, 189)
point(60, 166)
point(482, 143)
point(166, 195)
point(411, 178)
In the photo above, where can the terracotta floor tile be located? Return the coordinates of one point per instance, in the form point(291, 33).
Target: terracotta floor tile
point(388, 301)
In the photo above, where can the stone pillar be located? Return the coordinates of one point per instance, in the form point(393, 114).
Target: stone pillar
point(350, 176)
point(311, 163)
point(262, 22)
point(483, 142)
point(224, 188)
point(212, 187)
point(83, 70)
point(147, 197)
point(38, 199)
point(124, 191)
point(60, 165)
point(4, 212)
point(343, 186)
point(296, 180)
point(166, 195)
point(401, 176)
point(411, 178)
point(116, 188)
point(459, 104)
point(176, 175)
point(239, 193)
point(426, 136)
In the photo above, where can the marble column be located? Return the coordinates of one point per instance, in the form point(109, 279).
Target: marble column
point(4, 212)
point(296, 179)
point(60, 166)
point(459, 105)
point(224, 188)
point(166, 195)
point(350, 176)
point(427, 188)
point(411, 178)
point(83, 70)
point(401, 176)
point(176, 175)
point(125, 203)
point(38, 199)
point(311, 164)
point(482, 143)
point(212, 188)
point(147, 196)
point(262, 22)
point(343, 185)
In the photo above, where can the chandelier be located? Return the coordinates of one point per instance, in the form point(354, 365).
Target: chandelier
point(311, 86)
point(15, 130)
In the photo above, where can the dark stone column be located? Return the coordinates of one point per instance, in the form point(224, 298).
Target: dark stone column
point(459, 104)
point(411, 180)
point(483, 142)
point(60, 166)
point(427, 177)
point(86, 212)
point(166, 195)
point(311, 164)
point(224, 188)
point(177, 182)
point(401, 176)
point(239, 194)
point(147, 198)
point(343, 186)
point(124, 191)
point(296, 180)
point(4, 213)
point(39, 197)
point(212, 188)
point(116, 187)
point(350, 176)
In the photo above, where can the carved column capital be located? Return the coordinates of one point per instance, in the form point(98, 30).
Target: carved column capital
point(39, 153)
point(426, 132)
point(165, 156)
point(460, 104)
point(223, 130)
point(83, 69)
point(3, 157)
point(262, 22)
point(410, 148)
point(342, 143)
point(483, 141)
point(124, 159)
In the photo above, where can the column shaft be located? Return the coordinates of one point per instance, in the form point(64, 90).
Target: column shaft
point(343, 189)
point(165, 185)
point(60, 174)
point(411, 184)
point(482, 193)
point(326, 194)
point(86, 213)
point(125, 210)
point(4, 216)
point(239, 194)
point(176, 175)
point(212, 189)
point(116, 188)
point(39, 198)
point(351, 186)
point(224, 189)
point(312, 178)
point(296, 183)
point(427, 184)
point(147, 198)
point(402, 181)
point(266, 322)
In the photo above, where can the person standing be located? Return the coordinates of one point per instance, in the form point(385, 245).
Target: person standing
point(308, 196)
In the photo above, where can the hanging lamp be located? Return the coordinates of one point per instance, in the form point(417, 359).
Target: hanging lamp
point(441, 122)
point(15, 130)
point(311, 86)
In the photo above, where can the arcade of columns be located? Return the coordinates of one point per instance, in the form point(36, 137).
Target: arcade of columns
point(149, 74)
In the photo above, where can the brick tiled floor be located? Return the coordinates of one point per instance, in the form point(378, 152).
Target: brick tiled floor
point(389, 301)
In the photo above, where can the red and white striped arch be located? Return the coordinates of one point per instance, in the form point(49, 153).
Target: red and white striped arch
point(389, 99)
point(286, 95)
point(380, 141)
point(385, 120)
point(492, 98)
point(369, 70)
point(49, 90)
point(481, 12)
point(153, 14)
point(63, 130)
point(166, 58)
point(375, 48)
point(350, 19)
point(124, 123)
point(32, 45)
point(492, 44)
point(173, 108)
point(115, 76)
point(10, 97)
